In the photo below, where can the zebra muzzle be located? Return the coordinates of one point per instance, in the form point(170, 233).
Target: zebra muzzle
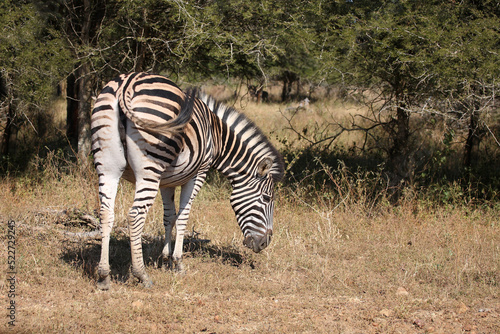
point(258, 242)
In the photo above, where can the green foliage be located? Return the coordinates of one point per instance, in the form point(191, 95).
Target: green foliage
point(33, 57)
point(413, 61)
point(261, 39)
point(145, 35)
point(418, 66)
point(33, 60)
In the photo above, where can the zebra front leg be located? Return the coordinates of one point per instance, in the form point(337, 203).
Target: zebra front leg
point(169, 217)
point(145, 194)
point(188, 194)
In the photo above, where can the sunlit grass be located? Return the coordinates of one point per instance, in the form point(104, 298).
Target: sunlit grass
point(344, 258)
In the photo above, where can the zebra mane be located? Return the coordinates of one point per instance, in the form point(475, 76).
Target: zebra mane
point(239, 122)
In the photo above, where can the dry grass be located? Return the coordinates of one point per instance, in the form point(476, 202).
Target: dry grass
point(343, 270)
point(336, 264)
point(277, 119)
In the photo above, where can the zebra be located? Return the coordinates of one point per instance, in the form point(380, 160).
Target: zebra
point(148, 131)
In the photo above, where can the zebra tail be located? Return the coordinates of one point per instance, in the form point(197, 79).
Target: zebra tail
point(170, 127)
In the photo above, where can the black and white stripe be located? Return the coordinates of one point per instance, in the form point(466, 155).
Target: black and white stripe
point(148, 131)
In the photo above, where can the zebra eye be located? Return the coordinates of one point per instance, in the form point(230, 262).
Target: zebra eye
point(266, 198)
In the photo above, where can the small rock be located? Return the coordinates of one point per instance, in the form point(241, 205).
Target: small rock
point(484, 310)
point(467, 328)
point(137, 304)
point(418, 323)
point(401, 291)
point(462, 308)
point(386, 313)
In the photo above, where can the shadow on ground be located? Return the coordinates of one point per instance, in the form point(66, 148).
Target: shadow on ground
point(84, 255)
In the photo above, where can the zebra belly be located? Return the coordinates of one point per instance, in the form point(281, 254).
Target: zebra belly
point(180, 171)
point(174, 175)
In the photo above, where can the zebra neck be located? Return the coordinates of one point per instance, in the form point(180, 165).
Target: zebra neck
point(237, 150)
point(238, 144)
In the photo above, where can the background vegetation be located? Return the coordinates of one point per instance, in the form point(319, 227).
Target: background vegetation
point(387, 116)
point(426, 72)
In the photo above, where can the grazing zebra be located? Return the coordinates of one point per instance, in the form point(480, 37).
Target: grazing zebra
point(146, 130)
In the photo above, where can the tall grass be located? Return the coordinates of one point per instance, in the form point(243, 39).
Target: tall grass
point(343, 248)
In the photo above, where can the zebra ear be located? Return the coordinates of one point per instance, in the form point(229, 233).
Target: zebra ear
point(264, 166)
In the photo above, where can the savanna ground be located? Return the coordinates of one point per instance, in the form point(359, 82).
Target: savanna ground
point(344, 261)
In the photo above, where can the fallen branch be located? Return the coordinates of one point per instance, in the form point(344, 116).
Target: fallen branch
point(91, 220)
point(71, 216)
point(84, 235)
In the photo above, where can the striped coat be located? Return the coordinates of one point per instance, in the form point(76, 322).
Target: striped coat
point(148, 131)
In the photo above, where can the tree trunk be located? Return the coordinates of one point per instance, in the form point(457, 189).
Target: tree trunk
point(72, 109)
point(7, 133)
point(287, 88)
point(297, 94)
point(84, 107)
point(84, 90)
point(400, 159)
point(141, 46)
point(284, 91)
point(472, 142)
point(288, 79)
point(7, 98)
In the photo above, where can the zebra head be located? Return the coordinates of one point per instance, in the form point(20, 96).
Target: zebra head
point(253, 166)
point(253, 204)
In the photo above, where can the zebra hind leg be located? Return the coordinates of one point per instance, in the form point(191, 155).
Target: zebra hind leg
point(169, 217)
point(145, 194)
point(107, 194)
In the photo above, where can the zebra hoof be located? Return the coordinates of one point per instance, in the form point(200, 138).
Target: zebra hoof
point(178, 268)
point(180, 272)
point(147, 284)
point(103, 283)
point(143, 278)
point(167, 263)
